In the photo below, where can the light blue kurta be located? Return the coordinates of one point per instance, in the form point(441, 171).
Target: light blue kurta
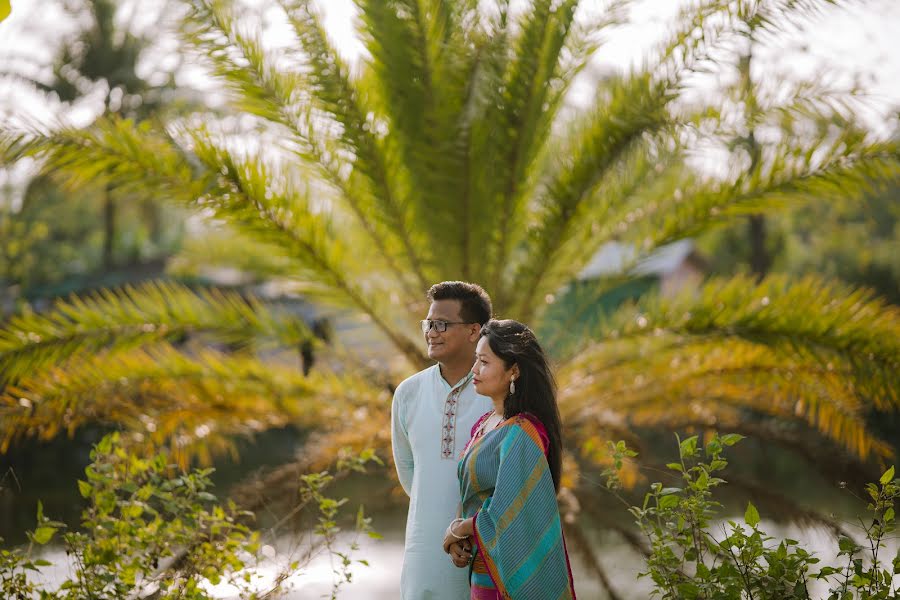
point(419, 437)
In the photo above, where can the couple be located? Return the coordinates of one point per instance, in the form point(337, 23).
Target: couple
point(480, 442)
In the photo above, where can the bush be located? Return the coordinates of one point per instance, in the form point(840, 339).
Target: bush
point(686, 561)
point(151, 530)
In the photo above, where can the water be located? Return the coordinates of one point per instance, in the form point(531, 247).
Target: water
point(381, 579)
point(48, 471)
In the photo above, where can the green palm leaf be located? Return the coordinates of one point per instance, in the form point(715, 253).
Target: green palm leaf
point(725, 384)
point(829, 321)
point(134, 316)
point(197, 402)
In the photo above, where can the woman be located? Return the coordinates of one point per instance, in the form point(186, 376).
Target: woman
point(509, 475)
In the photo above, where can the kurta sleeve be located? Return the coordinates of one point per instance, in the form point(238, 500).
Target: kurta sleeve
point(518, 529)
point(400, 446)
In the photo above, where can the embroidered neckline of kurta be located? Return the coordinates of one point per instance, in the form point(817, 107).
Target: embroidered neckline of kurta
point(448, 426)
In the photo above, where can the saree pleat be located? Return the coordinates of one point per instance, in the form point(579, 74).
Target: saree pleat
point(505, 483)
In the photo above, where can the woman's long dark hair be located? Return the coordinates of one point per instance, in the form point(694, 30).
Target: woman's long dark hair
point(515, 344)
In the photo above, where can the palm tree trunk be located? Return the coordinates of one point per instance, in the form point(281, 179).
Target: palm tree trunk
point(109, 229)
point(760, 260)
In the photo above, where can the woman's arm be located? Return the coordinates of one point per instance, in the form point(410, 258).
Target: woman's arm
point(459, 530)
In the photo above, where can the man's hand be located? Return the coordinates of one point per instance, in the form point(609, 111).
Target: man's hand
point(461, 552)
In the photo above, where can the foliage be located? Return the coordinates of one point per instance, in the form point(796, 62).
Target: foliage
point(690, 558)
point(52, 242)
point(105, 58)
point(150, 529)
point(327, 526)
point(47, 238)
point(853, 241)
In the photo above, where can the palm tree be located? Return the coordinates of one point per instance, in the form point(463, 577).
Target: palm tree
point(451, 153)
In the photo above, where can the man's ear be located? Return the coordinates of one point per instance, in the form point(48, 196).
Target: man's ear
point(475, 332)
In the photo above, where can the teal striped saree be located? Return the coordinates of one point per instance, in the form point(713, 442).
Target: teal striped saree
point(505, 483)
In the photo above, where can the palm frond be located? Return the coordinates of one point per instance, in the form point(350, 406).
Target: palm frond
point(256, 198)
point(133, 316)
point(196, 402)
point(340, 98)
point(519, 120)
point(263, 87)
point(438, 45)
point(237, 58)
point(262, 201)
point(775, 16)
point(728, 385)
point(565, 217)
point(629, 114)
point(696, 205)
point(832, 322)
point(113, 151)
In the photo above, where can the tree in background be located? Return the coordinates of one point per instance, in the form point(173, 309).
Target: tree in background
point(450, 153)
point(105, 62)
point(853, 241)
point(849, 238)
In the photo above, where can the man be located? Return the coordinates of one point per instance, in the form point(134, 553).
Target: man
point(431, 420)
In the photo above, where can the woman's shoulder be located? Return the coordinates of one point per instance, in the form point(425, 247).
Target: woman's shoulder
point(532, 427)
point(480, 420)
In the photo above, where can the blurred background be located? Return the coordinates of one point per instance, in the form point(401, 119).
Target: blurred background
point(218, 221)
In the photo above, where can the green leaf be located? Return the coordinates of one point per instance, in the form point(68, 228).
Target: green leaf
point(43, 534)
point(675, 467)
point(751, 516)
point(781, 552)
point(84, 488)
point(668, 501)
point(888, 515)
point(105, 445)
point(845, 545)
point(730, 439)
point(718, 465)
point(887, 477)
point(689, 446)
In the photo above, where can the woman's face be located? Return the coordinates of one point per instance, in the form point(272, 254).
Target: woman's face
point(491, 375)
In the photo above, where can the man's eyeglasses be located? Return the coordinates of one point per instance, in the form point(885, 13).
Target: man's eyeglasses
point(439, 326)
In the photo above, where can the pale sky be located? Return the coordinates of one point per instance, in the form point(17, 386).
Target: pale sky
point(845, 43)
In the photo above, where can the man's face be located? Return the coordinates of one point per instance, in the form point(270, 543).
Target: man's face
point(455, 343)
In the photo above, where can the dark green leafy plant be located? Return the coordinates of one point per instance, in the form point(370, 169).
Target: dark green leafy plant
point(152, 530)
point(690, 559)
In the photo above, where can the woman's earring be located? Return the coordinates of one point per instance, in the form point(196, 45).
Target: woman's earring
point(512, 387)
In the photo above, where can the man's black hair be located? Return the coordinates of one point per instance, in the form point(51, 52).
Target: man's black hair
point(475, 304)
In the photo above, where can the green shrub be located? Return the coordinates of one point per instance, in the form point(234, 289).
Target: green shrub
point(686, 561)
point(151, 530)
